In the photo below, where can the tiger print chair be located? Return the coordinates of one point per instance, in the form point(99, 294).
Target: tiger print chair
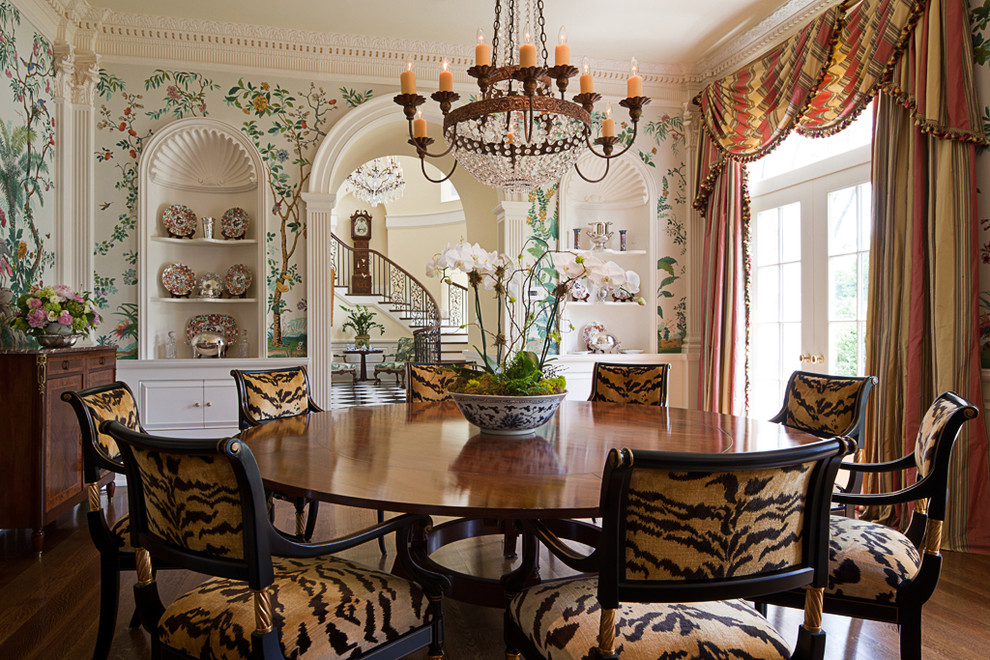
point(267, 394)
point(630, 383)
point(200, 505)
point(679, 529)
point(876, 572)
point(827, 406)
point(93, 406)
point(428, 381)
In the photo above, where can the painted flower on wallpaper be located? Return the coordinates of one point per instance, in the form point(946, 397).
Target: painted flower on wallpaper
point(287, 129)
point(667, 127)
point(183, 95)
point(354, 98)
point(543, 222)
point(26, 149)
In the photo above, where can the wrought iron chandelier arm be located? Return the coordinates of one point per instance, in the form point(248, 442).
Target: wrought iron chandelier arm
point(577, 169)
point(607, 151)
point(422, 143)
point(422, 164)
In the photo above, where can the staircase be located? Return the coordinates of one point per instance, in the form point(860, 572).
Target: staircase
point(402, 297)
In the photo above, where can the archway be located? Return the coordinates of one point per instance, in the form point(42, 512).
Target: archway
point(373, 129)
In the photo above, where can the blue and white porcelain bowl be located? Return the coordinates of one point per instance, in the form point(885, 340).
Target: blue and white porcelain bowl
point(507, 415)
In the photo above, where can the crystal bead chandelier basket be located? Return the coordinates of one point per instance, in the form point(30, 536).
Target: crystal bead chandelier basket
point(377, 181)
point(519, 134)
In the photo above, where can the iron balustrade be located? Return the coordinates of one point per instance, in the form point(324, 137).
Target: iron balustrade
point(396, 287)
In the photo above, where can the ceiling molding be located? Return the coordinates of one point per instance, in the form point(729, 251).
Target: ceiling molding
point(729, 56)
point(223, 45)
point(417, 220)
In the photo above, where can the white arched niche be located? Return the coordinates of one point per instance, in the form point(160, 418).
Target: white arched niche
point(373, 129)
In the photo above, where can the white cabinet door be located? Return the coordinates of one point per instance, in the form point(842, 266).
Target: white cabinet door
point(219, 403)
point(171, 404)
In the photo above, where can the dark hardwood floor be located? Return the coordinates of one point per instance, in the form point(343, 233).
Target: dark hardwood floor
point(50, 603)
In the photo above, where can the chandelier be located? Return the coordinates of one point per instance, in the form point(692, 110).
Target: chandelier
point(520, 133)
point(377, 181)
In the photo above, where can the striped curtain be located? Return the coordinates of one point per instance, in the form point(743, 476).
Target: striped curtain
point(917, 56)
point(925, 244)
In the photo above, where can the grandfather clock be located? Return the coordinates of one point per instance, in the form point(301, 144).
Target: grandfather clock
point(361, 236)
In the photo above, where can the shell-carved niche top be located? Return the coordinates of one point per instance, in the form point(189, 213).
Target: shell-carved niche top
point(624, 184)
point(204, 157)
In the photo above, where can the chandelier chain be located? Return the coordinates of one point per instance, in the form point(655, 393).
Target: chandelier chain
point(541, 23)
point(497, 28)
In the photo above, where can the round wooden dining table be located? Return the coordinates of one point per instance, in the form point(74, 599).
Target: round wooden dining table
point(426, 458)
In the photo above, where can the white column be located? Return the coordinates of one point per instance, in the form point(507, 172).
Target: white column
point(512, 230)
point(319, 261)
point(65, 251)
point(695, 238)
point(83, 218)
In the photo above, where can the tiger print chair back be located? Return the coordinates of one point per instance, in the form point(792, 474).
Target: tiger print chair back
point(678, 529)
point(630, 383)
point(428, 381)
point(100, 454)
point(267, 394)
point(879, 573)
point(200, 505)
point(826, 406)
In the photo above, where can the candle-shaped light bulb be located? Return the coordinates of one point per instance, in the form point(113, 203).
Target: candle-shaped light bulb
point(608, 125)
point(634, 84)
point(511, 136)
point(587, 82)
point(419, 125)
point(446, 78)
point(482, 52)
point(407, 80)
point(562, 53)
point(527, 52)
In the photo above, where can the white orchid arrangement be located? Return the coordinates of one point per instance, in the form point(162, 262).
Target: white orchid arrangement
point(510, 280)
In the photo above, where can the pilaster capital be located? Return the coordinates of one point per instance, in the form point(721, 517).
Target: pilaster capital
point(64, 56)
point(87, 75)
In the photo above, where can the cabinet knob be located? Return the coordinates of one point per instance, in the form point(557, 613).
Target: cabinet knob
point(209, 404)
point(103, 361)
point(197, 404)
point(65, 365)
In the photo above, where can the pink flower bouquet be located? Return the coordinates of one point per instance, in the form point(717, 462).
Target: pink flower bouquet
point(55, 310)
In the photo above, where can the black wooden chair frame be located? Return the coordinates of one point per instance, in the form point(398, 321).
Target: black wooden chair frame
point(607, 557)
point(854, 482)
point(924, 532)
point(113, 558)
point(262, 542)
point(246, 420)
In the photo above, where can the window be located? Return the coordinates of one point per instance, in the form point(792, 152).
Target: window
point(810, 250)
point(448, 193)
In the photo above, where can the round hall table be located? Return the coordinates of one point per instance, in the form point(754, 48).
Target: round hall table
point(426, 458)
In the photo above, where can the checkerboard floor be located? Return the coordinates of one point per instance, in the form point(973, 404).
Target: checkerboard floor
point(343, 395)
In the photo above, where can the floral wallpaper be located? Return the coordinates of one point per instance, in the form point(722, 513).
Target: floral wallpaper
point(27, 151)
point(286, 119)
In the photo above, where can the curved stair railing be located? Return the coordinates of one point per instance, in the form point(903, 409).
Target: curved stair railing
point(396, 287)
point(456, 296)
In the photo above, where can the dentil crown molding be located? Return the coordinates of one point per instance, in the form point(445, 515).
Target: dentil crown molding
point(125, 36)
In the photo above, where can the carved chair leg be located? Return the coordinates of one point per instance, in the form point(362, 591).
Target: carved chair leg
point(909, 631)
point(135, 619)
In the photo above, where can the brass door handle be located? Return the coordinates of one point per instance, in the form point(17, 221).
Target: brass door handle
point(813, 359)
point(209, 404)
point(197, 404)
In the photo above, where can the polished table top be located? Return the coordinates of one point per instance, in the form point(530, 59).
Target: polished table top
point(426, 458)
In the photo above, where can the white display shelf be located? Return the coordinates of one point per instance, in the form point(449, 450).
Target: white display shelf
point(211, 301)
point(606, 251)
point(205, 242)
point(578, 303)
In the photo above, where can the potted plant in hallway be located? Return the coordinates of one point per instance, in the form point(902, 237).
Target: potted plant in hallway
point(361, 320)
point(516, 389)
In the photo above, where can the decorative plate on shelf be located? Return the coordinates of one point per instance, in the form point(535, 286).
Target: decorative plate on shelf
point(179, 221)
point(179, 280)
point(210, 285)
point(234, 223)
point(221, 324)
point(237, 280)
point(590, 331)
point(579, 292)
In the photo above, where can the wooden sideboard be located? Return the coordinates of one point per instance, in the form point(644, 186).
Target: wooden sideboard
point(39, 434)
